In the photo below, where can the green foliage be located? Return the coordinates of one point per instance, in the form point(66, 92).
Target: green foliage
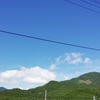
point(92, 77)
point(64, 90)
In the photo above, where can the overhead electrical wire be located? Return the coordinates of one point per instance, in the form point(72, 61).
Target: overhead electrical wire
point(47, 40)
point(90, 3)
point(82, 6)
point(95, 1)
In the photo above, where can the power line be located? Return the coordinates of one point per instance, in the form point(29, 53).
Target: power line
point(90, 3)
point(95, 1)
point(47, 40)
point(83, 6)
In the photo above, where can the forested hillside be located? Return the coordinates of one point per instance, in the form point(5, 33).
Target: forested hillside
point(2, 89)
point(74, 89)
point(91, 79)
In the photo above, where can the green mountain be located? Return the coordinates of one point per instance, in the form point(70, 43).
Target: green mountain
point(89, 79)
point(83, 87)
point(2, 89)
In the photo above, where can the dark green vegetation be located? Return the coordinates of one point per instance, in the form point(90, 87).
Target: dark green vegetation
point(89, 79)
point(83, 87)
point(2, 89)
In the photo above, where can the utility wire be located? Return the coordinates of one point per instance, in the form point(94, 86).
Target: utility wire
point(47, 40)
point(95, 1)
point(82, 6)
point(90, 3)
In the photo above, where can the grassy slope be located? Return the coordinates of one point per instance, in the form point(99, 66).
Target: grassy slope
point(93, 77)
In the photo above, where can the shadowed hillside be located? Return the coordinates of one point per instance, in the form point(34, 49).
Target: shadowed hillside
point(2, 89)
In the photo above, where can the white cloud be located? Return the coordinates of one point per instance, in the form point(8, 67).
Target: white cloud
point(53, 67)
point(87, 61)
point(66, 78)
point(67, 58)
point(58, 60)
point(33, 75)
point(76, 55)
point(75, 61)
point(73, 58)
point(20, 88)
point(76, 58)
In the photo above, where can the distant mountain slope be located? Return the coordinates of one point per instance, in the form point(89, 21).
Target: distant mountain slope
point(2, 89)
point(89, 79)
point(83, 87)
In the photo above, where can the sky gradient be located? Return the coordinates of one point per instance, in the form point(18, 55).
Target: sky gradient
point(27, 63)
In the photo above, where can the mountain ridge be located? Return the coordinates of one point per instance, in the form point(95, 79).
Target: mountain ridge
point(91, 78)
point(76, 89)
point(2, 89)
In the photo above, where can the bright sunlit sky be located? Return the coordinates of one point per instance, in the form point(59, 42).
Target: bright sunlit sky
point(28, 63)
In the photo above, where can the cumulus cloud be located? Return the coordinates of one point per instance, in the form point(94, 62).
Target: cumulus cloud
point(53, 67)
point(58, 60)
point(76, 58)
point(76, 61)
point(66, 78)
point(76, 55)
point(73, 58)
point(70, 58)
point(33, 75)
point(87, 61)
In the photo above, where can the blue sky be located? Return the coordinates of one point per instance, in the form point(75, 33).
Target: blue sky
point(28, 63)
